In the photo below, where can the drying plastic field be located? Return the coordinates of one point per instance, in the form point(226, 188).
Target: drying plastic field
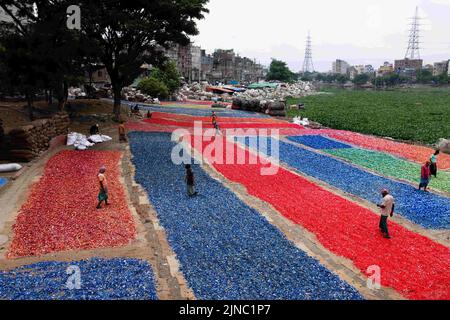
point(349, 230)
point(60, 213)
point(426, 209)
point(227, 250)
point(100, 279)
point(382, 163)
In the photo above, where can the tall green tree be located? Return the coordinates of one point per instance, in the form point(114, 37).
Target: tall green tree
point(279, 70)
point(361, 79)
point(39, 49)
point(130, 33)
point(169, 75)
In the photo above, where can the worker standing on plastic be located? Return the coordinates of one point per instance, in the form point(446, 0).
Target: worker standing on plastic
point(433, 166)
point(103, 193)
point(425, 175)
point(95, 129)
point(215, 124)
point(122, 132)
point(387, 209)
point(190, 181)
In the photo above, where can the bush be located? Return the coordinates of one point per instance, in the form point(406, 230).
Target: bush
point(154, 88)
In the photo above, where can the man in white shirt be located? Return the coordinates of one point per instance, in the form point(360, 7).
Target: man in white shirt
point(387, 209)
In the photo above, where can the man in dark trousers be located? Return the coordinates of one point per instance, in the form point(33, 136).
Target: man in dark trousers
point(190, 181)
point(387, 209)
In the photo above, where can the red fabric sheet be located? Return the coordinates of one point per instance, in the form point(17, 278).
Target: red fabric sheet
point(415, 266)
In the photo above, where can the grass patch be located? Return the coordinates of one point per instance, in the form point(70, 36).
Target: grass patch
point(418, 115)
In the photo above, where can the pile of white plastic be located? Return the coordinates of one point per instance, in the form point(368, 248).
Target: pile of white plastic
point(81, 142)
point(10, 167)
point(301, 122)
point(197, 91)
point(295, 90)
point(135, 95)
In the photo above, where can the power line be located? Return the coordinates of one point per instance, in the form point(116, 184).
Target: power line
point(308, 65)
point(413, 50)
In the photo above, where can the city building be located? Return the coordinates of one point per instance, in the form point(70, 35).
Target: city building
point(404, 64)
point(207, 66)
point(386, 69)
point(340, 67)
point(440, 68)
point(352, 72)
point(222, 66)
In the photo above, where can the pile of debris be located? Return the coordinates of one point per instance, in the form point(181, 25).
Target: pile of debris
point(135, 95)
point(273, 108)
point(280, 93)
point(271, 101)
point(198, 91)
point(76, 93)
point(30, 141)
point(443, 145)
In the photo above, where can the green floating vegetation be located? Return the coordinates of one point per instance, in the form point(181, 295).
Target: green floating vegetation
point(415, 115)
point(390, 166)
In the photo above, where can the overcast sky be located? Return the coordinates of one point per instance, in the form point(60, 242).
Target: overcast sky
point(358, 31)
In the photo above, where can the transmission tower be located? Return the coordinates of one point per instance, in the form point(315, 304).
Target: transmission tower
point(308, 62)
point(413, 51)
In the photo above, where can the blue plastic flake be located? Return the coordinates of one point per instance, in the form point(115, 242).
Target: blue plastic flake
point(201, 112)
point(100, 279)
point(426, 209)
point(319, 142)
point(226, 249)
point(3, 181)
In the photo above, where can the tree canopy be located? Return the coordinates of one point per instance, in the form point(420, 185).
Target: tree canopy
point(119, 34)
point(279, 70)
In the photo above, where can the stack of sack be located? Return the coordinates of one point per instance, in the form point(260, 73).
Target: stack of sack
point(28, 142)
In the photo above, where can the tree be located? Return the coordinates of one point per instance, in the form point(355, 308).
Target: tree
point(154, 87)
point(361, 79)
point(169, 75)
point(41, 51)
point(342, 79)
point(130, 33)
point(424, 76)
point(279, 70)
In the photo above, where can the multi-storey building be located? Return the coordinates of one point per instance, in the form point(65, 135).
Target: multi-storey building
point(404, 64)
point(440, 68)
point(386, 69)
point(340, 67)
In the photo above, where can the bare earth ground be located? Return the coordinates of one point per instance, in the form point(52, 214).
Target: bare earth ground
point(151, 243)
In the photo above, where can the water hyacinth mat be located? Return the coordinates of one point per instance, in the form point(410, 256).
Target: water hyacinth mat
point(94, 279)
point(227, 250)
point(319, 142)
point(426, 209)
point(412, 264)
point(60, 212)
point(390, 166)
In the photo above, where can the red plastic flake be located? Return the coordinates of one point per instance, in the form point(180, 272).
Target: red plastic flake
point(224, 125)
point(412, 264)
point(150, 127)
point(60, 213)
